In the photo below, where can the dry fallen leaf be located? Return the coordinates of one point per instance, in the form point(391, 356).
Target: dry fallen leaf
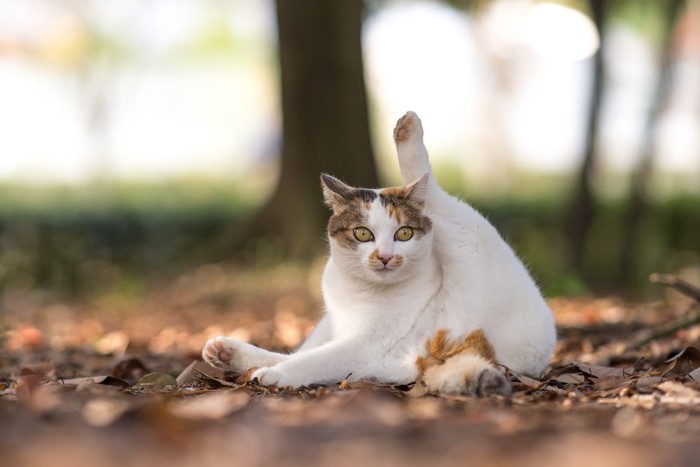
point(677, 393)
point(210, 406)
point(683, 363)
point(106, 380)
point(159, 380)
point(104, 412)
point(130, 369)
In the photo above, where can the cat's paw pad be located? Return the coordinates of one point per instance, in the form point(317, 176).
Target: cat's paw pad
point(489, 382)
point(408, 128)
point(219, 352)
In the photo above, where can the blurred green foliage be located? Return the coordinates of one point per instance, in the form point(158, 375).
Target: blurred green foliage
point(93, 240)
point(670, 240)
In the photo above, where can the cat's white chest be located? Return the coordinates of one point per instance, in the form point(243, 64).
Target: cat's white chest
point(381, 313)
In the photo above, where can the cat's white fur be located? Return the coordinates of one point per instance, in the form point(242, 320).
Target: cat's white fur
point(461, 276)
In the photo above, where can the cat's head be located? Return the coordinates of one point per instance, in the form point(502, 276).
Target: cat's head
point(382, 236)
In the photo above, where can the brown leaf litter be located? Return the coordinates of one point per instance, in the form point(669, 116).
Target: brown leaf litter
point(122, 400)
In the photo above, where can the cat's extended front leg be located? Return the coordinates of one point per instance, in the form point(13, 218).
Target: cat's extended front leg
point(413, 156)
point(329, 363)
point(231, 354)
point(322, 333)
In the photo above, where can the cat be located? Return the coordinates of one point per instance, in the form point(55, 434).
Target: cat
point(419, 287)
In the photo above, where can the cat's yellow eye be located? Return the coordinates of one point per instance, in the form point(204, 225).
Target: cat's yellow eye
point(404, 234)
point(362, 234)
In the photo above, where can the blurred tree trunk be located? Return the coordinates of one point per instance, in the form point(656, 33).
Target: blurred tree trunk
point(639, 202)
point(581, 212)
point(325, 120)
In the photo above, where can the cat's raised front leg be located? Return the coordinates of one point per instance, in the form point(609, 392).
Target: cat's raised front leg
point(413, 156)
point(231, 354)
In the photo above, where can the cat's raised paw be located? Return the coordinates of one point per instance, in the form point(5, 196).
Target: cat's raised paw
point(218, 352)
point(408, 128)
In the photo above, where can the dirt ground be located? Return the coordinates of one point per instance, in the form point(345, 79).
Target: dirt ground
point(113, 380)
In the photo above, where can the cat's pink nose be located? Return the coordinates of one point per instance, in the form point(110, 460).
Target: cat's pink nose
point(385, 258)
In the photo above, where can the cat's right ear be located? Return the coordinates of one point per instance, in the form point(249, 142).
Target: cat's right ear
point(418, 190)
point(335, 193)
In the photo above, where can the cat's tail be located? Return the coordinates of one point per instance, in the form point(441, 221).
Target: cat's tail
point(460, 367)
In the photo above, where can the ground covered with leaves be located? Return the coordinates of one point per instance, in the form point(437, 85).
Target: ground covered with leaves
point(118, 381)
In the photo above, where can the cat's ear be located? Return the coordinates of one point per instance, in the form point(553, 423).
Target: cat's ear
point(335, 193)
point(416, 191)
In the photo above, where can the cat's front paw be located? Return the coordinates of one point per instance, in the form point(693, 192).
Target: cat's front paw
point(408, 128)
point(220, 352)
point(272, 376)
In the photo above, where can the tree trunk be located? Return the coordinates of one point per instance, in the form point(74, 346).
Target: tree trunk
point(582, 210)
point(639, 202)
point(325, 120)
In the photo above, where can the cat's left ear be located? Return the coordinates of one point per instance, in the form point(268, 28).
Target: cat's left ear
point(416, 191)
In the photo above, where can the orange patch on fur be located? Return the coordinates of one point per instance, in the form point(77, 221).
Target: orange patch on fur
point(439, 349)
point(394, 191)
point(394, 212)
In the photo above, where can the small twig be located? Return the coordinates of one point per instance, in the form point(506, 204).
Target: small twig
point(689, 318)
point(676, 283)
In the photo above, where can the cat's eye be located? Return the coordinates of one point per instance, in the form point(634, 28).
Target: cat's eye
point(362, 234)
point(404, 234)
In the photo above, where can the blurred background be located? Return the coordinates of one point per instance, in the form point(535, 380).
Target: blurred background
point(140, 139)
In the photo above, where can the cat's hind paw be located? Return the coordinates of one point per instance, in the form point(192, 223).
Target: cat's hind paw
point(408, 128)
point(219, 352)
point(490, 382)
point(466, 374)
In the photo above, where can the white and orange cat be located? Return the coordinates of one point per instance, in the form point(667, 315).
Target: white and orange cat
point(418, 287)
